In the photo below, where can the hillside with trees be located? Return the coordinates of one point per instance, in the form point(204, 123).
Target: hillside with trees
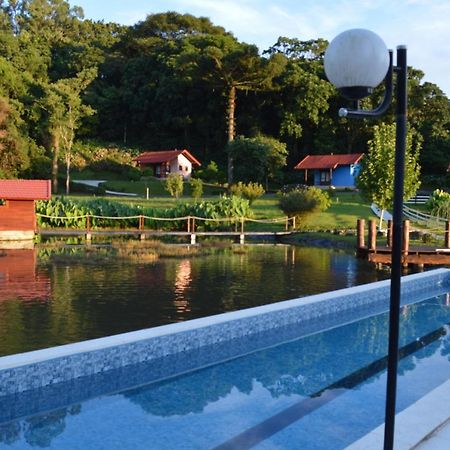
point(72, 86)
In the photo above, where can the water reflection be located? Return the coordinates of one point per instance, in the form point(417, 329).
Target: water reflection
point(183, 280)
point(49, 301)
point(19, 278)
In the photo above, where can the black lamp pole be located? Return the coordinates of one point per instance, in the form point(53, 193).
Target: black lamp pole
point(401, 70)
point(396, 262)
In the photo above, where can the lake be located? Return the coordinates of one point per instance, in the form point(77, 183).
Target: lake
point(46, 301)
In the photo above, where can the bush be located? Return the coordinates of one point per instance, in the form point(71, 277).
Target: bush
point(196, 186)
point(250, 191)
point(174, 185)
point(439, 204)
point(303, 203)
point(211, 173)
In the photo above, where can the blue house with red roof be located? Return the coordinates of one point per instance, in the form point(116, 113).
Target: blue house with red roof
point(332, 170)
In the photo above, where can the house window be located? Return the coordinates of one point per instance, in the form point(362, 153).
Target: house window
point(2, 202)
point(186, 168)
point(325, 177)
point(180, 168)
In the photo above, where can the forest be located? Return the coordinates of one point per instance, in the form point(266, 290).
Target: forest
point(70, 87)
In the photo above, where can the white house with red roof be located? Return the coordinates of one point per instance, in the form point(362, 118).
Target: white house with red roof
point(165, 162)
point(17, 209)
point(332, 170)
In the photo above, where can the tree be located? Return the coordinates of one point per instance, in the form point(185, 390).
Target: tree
point(376, 179)
point(230, 66)
point(174, 185)
point(65, 109)
point(257, 159)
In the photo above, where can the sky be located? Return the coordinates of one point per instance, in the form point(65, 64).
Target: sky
point(422, 25)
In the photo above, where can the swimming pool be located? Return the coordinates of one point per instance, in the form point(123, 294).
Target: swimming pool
point(312, 384)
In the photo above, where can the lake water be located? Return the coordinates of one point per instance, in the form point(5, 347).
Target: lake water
point(46, 302)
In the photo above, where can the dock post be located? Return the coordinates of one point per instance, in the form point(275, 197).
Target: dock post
point(360, 226)
point(142, 237)
point(405, 246)
point(372, 235)
point(193, 239)
point(389, 234)
point(293, 223)
point(188, 224)
point(447, 234)
point(241, 239)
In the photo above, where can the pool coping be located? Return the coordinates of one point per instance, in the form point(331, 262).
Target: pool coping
point(40, 368)
point(415, 424)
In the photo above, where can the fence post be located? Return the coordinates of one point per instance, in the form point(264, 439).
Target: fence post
point(405, 245)
point(88, 229)
point(141, 222)
point(293, 223)
point(389, 234)
point(286, 225)
point(372, 235)
point(447, 234)
point(188, 224)
point(193, 224)
point(360, 226)
point(242, 225)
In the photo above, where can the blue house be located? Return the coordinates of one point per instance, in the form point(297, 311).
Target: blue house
point(332, 170)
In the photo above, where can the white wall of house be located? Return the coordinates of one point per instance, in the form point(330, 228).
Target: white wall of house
point(182, 166)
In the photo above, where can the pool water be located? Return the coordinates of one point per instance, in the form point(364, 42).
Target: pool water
point(323, 391)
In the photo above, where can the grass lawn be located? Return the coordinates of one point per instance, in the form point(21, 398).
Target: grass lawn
point(156, 187)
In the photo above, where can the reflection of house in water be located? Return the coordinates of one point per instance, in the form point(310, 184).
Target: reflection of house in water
point(182, 281)
point(19, 278)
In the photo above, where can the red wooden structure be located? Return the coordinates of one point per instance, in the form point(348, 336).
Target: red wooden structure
point(17, 209)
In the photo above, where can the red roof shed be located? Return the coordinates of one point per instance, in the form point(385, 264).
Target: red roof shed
point(17, 210)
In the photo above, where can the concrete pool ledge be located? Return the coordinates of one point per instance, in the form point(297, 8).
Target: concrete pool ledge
point(26, 371)
point(415, 424)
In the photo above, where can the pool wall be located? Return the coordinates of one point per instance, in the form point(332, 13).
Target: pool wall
point(164, 349)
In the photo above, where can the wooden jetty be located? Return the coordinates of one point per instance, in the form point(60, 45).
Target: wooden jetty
point(412, 255)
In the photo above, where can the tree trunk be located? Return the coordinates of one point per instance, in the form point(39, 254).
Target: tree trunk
point(67, 173)
point(231, 128)
point(55, 164)
point(380, 227)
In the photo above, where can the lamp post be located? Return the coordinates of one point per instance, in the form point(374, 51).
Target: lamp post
point(357, 61)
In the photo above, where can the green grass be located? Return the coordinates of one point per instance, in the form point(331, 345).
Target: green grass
point(156, 187)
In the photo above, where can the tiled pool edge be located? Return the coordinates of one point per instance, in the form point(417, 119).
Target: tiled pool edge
point(414, 424)
point(41, 368)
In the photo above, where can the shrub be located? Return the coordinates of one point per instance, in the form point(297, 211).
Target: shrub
point(174, 185)
point(196, 188)
point(303, 203)
point(211, 173)
point(439, 204)
point(250, 191)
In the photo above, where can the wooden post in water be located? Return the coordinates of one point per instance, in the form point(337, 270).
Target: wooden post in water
point(405, 245)
point(389, 234)
point(360, 228)
point(447, 234)
point(372, 235)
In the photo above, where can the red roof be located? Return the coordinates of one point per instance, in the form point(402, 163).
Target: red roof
point(164, 156)
point(328, 161)
point(25, 189)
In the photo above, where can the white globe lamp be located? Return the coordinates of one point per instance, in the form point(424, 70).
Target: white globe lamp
point(356, 61)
